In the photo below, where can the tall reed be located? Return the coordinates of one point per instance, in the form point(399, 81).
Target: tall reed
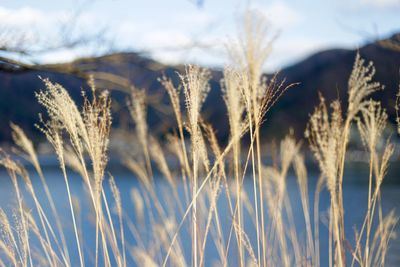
point(201, 208)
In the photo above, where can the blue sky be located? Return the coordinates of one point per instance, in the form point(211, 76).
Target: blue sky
point(167, 30)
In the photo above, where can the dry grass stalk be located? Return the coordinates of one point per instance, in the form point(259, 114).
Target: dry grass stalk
point(138, 111)
point(371, 128)
point(195, 87)
point(142, 258)
point(382, 237)
point(119, 210)
point(158, 156)
point(325, 135)
point(302, 180)
point(88, 133)
point(329, 137)
point(259, 95)
point(27, 150)
point(14, 170)
point(232, 89)
point(174, 95)
point(81, 135)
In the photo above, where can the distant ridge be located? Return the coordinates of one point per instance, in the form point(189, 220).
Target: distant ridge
point(326, 72)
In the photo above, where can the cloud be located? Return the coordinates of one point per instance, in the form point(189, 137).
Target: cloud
point(165, 39)
point(20, 17)
point(172, 40)
point(172, 43)
point(59, 56)
point(28, 18)
point(382, 3)
point(35, 29)
point(281, 14)
point(195, 19)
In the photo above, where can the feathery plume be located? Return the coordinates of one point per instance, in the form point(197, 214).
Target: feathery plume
point(371, 124)
point(360, 86)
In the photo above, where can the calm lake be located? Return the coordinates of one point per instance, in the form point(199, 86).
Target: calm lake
point(355, 195)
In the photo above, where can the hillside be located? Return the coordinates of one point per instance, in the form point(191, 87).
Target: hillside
point(326, 72)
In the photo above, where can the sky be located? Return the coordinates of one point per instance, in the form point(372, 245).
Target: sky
point(181, 31)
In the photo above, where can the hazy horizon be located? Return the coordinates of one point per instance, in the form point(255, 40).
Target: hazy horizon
point(182, 31)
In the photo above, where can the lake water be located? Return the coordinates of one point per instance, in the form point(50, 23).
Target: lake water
point(355, 194)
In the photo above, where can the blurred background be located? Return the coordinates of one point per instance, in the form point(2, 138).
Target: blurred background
point(189, 31)
point(313, 44)
point(123, 43)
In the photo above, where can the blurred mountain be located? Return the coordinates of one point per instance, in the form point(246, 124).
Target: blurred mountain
point(326, 72)
point(18, 85)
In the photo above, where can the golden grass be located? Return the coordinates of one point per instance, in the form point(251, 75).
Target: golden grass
point(164, 222)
